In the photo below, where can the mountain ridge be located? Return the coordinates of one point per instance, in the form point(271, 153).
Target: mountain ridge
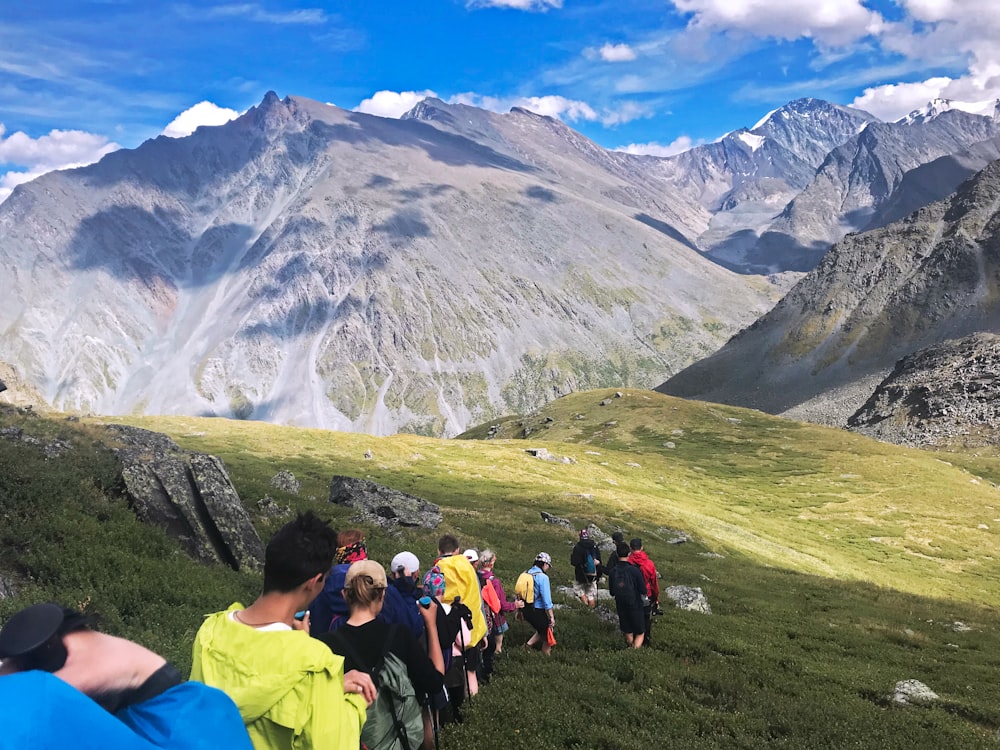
point(316, 266)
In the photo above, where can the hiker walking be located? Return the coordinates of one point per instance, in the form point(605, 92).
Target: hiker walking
point(539, 612)
point(291, 691)
point(487, 559)
point(617, 539)
point(640, 559)
point(395, 720)
point(629, 590)
point(586, 561)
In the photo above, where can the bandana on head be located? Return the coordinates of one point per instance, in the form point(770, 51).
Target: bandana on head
point(351, 553)
point(434, 583)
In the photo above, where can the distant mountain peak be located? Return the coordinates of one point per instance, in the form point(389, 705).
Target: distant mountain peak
point(938, 106)
point(805, 109)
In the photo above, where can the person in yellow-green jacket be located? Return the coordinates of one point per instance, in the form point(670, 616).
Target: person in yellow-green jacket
point(291, 690)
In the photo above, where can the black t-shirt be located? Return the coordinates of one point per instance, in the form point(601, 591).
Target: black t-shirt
point(368, 641)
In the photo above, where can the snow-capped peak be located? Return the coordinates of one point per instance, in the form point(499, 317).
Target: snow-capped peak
point(763, 119)
point(935, 107)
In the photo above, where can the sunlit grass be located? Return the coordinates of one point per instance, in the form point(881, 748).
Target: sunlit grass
point(796, 496)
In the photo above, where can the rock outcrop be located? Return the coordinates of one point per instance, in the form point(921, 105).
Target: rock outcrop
point(690, 598)
point(188, 495)
point(383, 506)
point(942, 395)
point(913, 692)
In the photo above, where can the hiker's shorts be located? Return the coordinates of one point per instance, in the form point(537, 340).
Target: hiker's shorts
point(537, 618)
point(631, 618)
point(588, 590)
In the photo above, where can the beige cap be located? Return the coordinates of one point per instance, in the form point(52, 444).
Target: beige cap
point(365, 568)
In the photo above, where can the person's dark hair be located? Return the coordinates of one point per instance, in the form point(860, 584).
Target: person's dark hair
point(299, 550)
point(618, 536)
point(447, 544)
point(622, 550)
point(635, 544)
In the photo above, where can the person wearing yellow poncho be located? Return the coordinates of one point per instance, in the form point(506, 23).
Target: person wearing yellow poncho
point(291, 690)
point(460, 579)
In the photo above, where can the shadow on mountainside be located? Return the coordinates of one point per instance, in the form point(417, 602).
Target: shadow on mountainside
point(663, 228)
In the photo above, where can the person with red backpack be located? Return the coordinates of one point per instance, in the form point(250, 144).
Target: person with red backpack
point(488, 559)
point(640, 559)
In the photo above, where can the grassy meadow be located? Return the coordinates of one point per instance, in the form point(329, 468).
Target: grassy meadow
point(835, 565)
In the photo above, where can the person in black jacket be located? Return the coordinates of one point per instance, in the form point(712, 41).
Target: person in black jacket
point(586, 562)
point(628, 587)
point(617, 538)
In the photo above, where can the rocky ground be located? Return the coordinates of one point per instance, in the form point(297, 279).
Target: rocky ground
point(941, 395)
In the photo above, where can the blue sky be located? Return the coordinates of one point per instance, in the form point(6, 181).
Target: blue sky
point(79, 78)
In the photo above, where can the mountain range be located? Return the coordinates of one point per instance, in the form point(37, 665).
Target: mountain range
point(875, 298)
point(309, 265)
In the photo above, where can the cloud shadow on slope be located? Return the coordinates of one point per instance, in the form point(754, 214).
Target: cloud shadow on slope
point(667, 229)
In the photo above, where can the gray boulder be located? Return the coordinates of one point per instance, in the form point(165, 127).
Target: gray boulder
point(285, 480)
point(7, 589)
point(689, 598)
point(188, 495)
point(383, 506)
point(913, 692)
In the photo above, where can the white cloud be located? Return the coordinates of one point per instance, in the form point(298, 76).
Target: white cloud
point(615, 53)
point(936, 32)
point(895, 100)
point(626, 112)
point(60, 149)
point(202, 113)
point(557, 106)
point(560, 107)
point(392, 103)
point(257, 13)
point(535, 5)
point(831, 23)
point(679, 145)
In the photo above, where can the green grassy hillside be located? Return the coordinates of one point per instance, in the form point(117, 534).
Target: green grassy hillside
point(838, 566)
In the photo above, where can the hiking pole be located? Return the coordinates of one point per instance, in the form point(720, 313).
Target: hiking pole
point(465, 659)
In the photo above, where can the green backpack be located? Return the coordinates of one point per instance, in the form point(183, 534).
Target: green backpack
point(395, 720)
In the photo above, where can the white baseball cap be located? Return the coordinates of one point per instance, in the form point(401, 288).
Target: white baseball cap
point(405, 560)
point(471, 555)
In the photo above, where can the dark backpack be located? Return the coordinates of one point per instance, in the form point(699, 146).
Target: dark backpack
point(621, 585)
point(395, 720)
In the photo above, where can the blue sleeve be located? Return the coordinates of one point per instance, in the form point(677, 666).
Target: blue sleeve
point(543, 591)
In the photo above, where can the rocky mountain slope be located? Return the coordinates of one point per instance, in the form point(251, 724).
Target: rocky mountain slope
point(874, 298)
point(308, 265)
point(856, 179)
point(943, 395)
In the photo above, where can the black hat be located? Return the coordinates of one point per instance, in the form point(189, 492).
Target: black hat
point(33, 636)
point(635, 543)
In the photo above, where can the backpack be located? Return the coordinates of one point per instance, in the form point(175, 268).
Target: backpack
point(589, 565)
point(524, 588)
point(395, 720)
point(490, 597)
point(621, 587)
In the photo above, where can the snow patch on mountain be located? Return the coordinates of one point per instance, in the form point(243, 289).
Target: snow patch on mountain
point(753, 141)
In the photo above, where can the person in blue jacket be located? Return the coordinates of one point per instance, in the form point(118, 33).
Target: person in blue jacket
point(541, 615)
point(63, 684)
point(329, 611)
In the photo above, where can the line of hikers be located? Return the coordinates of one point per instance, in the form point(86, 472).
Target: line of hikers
point(632, 580)
point(390, 658)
